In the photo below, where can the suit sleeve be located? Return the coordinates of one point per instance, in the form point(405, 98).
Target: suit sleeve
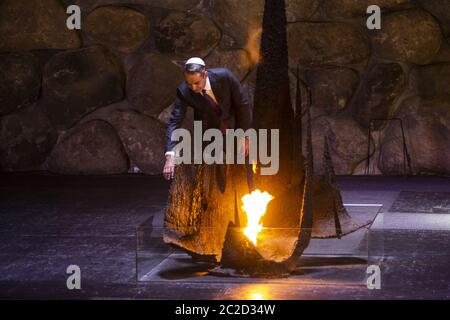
point(175, 121)
point(241, 103)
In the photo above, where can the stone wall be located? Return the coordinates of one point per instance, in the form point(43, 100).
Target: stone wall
point(96, 101)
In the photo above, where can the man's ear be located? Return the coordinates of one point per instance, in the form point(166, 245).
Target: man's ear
point(206, 73)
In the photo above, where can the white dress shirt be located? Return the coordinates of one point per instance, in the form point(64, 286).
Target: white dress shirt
point(208, 92)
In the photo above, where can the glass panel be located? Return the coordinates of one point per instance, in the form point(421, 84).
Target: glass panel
point(325, 261)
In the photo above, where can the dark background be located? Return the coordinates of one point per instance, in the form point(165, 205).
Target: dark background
point(96, 101)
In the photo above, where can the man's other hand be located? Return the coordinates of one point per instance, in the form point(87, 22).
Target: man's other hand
point(169, 167)
point(244, 146)
point(247, 146)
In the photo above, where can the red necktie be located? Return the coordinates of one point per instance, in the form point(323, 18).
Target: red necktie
point(216, 108)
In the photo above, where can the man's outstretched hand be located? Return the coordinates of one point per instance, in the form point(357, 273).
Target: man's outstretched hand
point(169, 167)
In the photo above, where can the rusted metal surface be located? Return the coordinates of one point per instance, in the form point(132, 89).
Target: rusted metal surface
point(204, 214)
point(199, 210)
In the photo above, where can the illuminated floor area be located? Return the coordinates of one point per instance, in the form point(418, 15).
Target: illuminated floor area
point(49, 222)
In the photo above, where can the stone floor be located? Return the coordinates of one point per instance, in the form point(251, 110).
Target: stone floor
point(49, 222)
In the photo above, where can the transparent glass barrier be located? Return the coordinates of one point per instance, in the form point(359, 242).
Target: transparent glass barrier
point(334, 261)
point(415, 255)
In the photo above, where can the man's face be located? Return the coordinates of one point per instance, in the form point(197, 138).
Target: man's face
point(196, 81)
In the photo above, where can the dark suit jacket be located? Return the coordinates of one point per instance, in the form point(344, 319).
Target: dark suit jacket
point(233, 101)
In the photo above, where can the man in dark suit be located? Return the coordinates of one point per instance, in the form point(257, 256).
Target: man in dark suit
point(218, 100)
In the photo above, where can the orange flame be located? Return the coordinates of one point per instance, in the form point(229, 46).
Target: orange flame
point(253, 45)
point(255, 205)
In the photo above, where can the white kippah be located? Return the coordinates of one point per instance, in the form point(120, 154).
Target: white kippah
point(196, 61)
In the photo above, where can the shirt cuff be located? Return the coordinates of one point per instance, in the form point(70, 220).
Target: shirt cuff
point(170, 153)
